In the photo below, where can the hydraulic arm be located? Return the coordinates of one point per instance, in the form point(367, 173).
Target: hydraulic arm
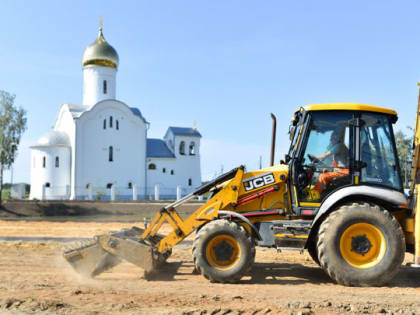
point(147, 248)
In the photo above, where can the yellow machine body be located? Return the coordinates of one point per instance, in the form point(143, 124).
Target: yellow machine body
point(264, 197)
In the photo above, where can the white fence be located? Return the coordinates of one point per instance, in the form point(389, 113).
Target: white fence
point(114, 193)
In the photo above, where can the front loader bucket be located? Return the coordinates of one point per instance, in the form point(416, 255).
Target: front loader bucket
point(106, 251)
point(90, 259)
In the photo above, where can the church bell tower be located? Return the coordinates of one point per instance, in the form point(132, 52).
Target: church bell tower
point(100, 65)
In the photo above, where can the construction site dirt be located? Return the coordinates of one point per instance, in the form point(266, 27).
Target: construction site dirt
point(34, 278)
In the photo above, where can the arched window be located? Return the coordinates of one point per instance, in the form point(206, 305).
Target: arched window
point(105, 88)
point(109, 185)
point(152, 166)
point(104, 123)
point(110, 122)
point(182, 148)
point(172, 172)
point(57, 161)
point(117, 125)
point(111, 154)
point(44, 161)
point(163, 170)
point(130, 185)
point(192, 148)
point(189, 182)
point(48, 185)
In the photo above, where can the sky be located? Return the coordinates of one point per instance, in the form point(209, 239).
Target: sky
point(222, 66)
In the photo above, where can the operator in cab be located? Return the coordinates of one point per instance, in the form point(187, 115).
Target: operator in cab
point(340, 160)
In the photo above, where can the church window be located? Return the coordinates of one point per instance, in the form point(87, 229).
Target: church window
point(189, 182)
point(192, 148)
point(172, 172)
point(105, 87)
point(182, 148)
point(57, 161)
point(110, 122)
point(44, 161)
point(117, 125)
point(104, 123)
point(152, 166)
point(111, 154)
point(163, 170)
point(109, 185)
point(130, 185)
point(48, 185)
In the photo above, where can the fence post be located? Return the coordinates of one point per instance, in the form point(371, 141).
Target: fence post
point(157, 192)
point(67, 192)
point(43, 194)
point(112, 193)
point(178, 192)
point(134, 192)
point(90, 192)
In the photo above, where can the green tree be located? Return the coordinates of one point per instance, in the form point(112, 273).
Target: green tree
point(405, 152)
point(12, 126)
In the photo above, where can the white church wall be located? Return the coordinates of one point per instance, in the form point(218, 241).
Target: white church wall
point(45, 172)
point(187, 164)
point(185, 167)
point(169, 138)
point(65, 123)
point(93, 144)
point(165, 175)
point(93, 84)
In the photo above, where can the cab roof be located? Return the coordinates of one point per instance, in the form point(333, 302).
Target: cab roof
point(349, 106)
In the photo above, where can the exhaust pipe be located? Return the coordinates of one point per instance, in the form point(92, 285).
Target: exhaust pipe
point(273, 138)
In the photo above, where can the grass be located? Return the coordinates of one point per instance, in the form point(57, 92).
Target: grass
point(5, 194)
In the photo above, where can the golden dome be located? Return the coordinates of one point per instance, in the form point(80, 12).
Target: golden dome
point(100, 53)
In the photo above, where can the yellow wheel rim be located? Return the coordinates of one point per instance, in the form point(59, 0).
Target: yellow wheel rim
point(362, 245)
point(223, 252)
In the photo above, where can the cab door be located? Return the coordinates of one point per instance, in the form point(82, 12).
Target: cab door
point(324, 159)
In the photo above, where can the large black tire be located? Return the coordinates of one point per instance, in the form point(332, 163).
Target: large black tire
point(361, 244)
point(223, 251)
point(313, 252)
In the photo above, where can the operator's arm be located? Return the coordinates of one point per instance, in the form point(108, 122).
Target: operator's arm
point(323, 155)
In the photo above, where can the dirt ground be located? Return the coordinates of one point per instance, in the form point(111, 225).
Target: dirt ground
point(34, 278)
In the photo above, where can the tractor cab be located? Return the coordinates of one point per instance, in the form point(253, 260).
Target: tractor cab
point(340, 145)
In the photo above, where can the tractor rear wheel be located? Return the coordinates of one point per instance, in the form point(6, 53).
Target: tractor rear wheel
point(361, 244)
point(223, 251)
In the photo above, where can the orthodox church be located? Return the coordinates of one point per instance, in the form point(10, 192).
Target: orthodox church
point(102, 145)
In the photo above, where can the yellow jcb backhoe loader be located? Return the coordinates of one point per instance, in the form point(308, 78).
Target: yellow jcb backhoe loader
point(338, 193)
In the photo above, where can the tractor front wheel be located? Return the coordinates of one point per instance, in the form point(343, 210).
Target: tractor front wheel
point(223, 251)
point(360, 244)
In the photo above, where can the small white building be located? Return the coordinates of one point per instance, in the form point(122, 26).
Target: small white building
point(102, 143)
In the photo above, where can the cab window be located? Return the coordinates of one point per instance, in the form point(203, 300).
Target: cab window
point(378, 152)
point(325, 161)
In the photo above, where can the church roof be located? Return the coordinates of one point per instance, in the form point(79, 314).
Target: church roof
point(76, 110)
point(157, 148)
point(100, 53)
point(137, 112)
point(53, 138)
point(183, 131)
